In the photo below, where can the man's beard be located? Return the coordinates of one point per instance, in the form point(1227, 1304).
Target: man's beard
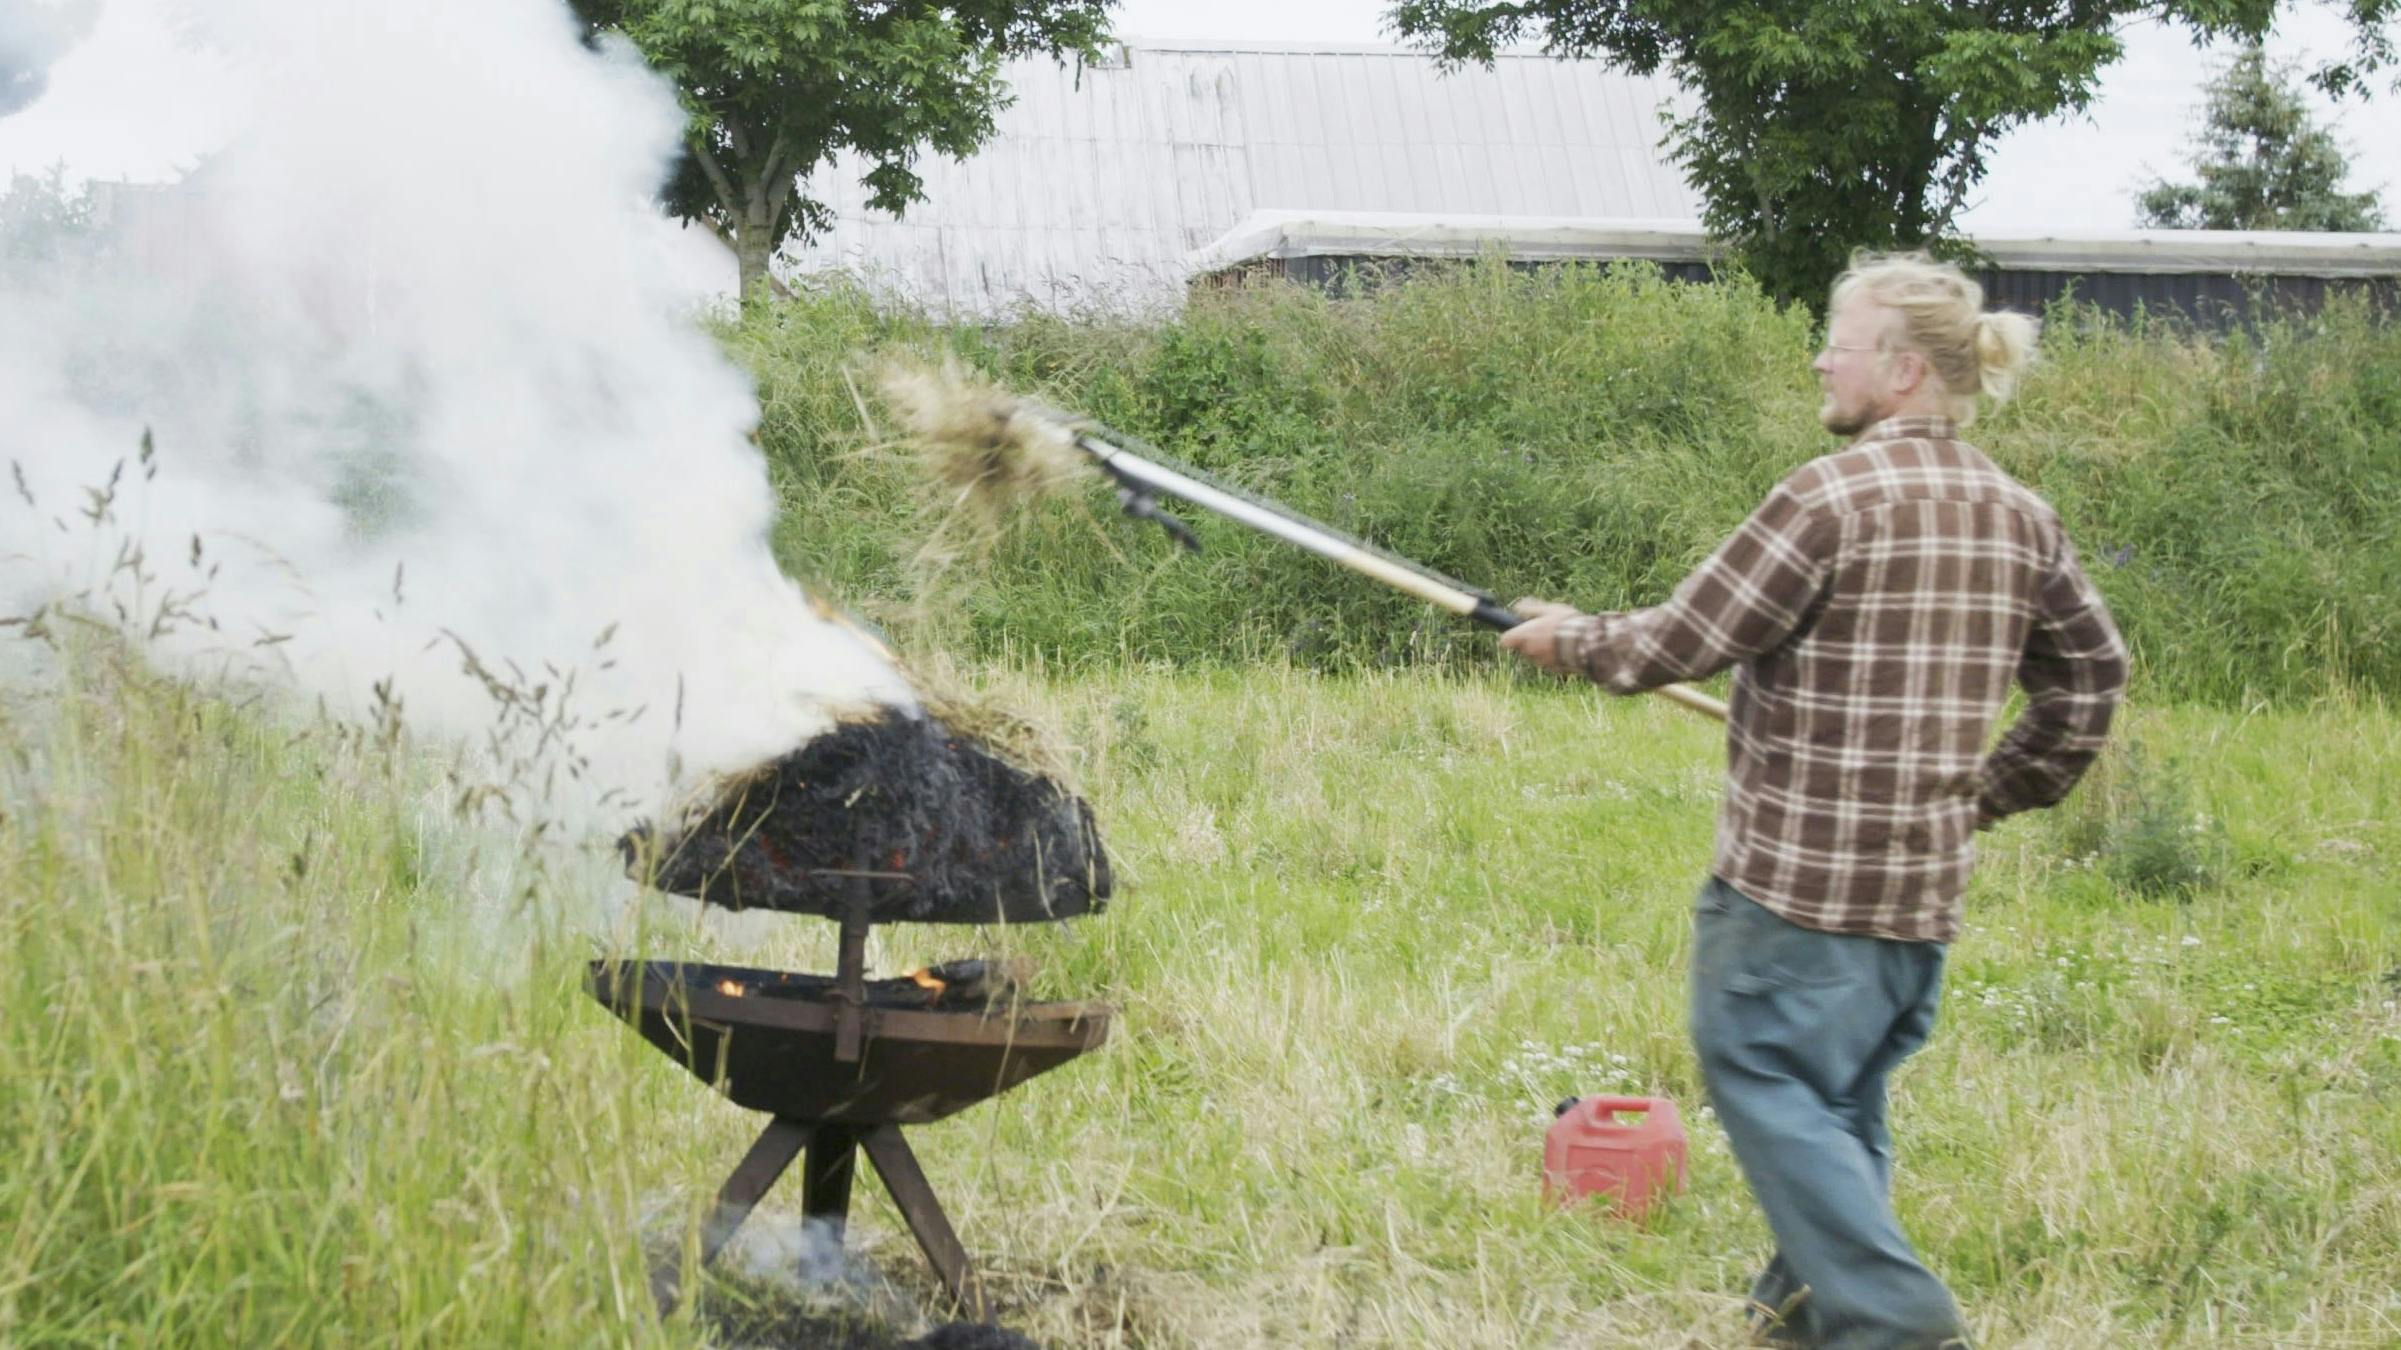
point(1848, 421)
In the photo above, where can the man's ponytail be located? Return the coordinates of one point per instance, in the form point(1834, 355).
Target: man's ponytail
point(2004, 348)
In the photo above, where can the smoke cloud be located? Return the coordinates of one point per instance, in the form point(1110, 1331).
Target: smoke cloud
point(800, 1255)
point(433, 426)
point(33, 35)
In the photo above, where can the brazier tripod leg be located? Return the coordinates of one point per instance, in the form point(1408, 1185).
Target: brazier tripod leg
point(761, 1168)
point(757, 1174)
point(896, 1163)
point(825, 1178)
point(825, 1195)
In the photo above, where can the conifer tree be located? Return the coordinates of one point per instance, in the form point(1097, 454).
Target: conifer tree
point(2262, 161)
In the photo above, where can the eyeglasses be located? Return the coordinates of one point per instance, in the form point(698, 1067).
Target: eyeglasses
point(1848, 347)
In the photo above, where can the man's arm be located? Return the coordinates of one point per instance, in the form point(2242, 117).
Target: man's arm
point(1744, 599)
point(2074, 673)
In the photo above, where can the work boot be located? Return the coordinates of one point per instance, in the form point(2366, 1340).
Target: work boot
point(1775, 1326)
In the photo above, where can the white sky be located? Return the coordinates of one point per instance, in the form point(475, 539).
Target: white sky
point(129, 103)
point(2067, 177)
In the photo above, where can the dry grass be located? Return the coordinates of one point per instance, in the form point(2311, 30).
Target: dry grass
point(984, 453)
point(288, 1064)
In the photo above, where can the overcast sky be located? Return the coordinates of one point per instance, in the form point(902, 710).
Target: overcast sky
point(2080, 175)
point(130, 103)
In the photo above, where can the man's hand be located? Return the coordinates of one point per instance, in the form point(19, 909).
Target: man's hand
point(1537, 639)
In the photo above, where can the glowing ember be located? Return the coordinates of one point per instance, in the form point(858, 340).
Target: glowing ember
point(731, 988)
point(923, 977)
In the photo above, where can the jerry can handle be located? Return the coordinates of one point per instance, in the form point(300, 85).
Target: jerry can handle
point(1607, 1107)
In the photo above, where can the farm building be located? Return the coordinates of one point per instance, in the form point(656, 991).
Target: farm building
point(1100, 183)
point(1114, 187)
point(2214, 276)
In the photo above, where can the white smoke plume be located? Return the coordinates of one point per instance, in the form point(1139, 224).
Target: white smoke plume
point(800, 1255)
point(33, 35)
point(421, 382)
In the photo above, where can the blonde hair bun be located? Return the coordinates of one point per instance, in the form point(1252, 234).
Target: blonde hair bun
point(2004, 349)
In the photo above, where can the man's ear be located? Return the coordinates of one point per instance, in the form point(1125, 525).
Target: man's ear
point(1908, 369)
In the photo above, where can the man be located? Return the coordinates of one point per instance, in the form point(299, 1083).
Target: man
point(1876, 606)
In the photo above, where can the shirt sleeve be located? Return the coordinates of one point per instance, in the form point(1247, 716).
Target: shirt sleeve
point(2074, 671)
point(1743, 600)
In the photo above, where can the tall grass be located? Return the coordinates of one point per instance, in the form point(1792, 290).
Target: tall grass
point(1587, 434)
point(255, 1091)
point(291, 1057)
point(2241, 500)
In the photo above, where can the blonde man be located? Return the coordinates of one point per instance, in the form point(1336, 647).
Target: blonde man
point(1876, 607)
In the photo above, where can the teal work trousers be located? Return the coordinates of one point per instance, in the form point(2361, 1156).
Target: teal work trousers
point(1796, 1031)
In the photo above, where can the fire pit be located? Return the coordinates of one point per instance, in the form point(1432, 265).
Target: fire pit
point(895, 820)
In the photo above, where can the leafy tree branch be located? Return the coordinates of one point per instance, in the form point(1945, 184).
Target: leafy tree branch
point(1820, 126)
point(774, 90)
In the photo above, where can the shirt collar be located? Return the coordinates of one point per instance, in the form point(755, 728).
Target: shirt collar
point(1914, 427)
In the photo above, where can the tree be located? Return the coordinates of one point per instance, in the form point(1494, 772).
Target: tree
point(776, 88)
point(2263, 161)
point(1825, 125)
point(43, 224)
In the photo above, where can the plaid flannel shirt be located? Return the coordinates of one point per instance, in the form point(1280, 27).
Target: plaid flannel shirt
point(1879, 602)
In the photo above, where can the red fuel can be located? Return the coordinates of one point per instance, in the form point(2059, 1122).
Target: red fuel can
point(1628, 1149)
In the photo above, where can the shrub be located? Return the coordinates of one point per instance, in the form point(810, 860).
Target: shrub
point(1588, 433)
point(2135, 819)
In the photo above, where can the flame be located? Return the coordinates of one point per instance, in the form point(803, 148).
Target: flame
point(923, 978)
point(732, 988)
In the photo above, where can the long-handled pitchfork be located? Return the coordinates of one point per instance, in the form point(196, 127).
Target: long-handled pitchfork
point(1000, 443)
point(1140, 480)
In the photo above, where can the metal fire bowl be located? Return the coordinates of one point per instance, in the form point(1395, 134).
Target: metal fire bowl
point(777, 1054)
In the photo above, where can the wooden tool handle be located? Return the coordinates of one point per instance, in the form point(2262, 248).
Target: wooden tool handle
point(1502, 618)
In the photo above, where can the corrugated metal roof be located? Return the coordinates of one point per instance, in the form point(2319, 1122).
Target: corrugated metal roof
point(1097, 183)
point(1451, 234)
point(1372, 234)
point(2292, 253)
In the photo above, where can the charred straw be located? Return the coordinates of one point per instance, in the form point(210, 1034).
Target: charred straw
point(923, 822)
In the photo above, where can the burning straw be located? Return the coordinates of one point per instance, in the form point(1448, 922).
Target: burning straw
point(986, 452)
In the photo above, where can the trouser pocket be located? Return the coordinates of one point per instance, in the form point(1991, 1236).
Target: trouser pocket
point(1745, 948)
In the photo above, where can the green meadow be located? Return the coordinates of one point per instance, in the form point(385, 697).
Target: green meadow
point(295, 1054)
point(294, 1060)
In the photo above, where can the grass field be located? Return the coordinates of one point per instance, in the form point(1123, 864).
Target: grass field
point(292, 1056)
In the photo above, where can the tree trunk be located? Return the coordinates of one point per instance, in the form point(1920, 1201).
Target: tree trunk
point(753, 246)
